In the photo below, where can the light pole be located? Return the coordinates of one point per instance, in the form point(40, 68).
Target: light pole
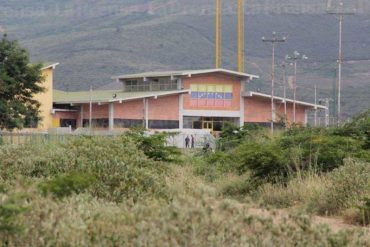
point(341, 13)
point(315, 105)
point(90, 108)
point(275, 39)
point(295, 57)
point(283, 66)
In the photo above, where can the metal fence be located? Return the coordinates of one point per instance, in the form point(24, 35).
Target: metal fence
point(36, 138)
point(33, 138)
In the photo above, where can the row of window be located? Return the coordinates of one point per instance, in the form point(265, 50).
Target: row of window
point(129, 123)
point(153, 85)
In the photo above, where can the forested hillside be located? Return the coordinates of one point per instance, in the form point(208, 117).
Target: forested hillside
point(94, 40)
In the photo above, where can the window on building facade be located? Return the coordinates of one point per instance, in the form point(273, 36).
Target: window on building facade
point(66, 123)
point(128, 123)
point(161, 84)
point(163, 124)
point(96, 123)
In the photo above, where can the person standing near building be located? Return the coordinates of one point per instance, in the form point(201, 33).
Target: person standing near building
point(192, 141)
point(187, 142)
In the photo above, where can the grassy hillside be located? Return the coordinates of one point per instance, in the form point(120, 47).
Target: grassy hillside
point(96, 40)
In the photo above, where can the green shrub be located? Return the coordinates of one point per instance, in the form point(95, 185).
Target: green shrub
point(365, 212)
point(232, 135)
point(10, 209)
point(154, 146)
point(320, 149)
point(347, 187)
point(237, 186)
point(266, 161)
point(121, 169)
point(214, 165)
point(66, 185)
point(358, 128)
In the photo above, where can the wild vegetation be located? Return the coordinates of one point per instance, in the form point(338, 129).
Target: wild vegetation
point(321, 171)
point(133, 190)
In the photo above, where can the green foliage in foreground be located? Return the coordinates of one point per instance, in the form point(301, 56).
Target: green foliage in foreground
point(66, 185)
point(196, 218)
point(112, 168)
point(342, 191)
point(154, 146)
point(298, 150)
point(106, 191)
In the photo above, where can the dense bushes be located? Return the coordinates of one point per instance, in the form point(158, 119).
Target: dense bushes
point(344, 190)
point(265, 161)
point(196, 218)
point(289, 153)
point(66, 185)
point(319, 148)
point(116, 168)
point(322, 171)
point(347, 187)
point(154, 146)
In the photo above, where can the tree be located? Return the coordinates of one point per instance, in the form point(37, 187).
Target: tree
point(20, 81)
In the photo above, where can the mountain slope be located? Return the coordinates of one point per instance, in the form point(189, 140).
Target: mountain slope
point(94, 40)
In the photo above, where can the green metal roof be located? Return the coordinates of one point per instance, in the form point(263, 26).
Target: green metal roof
point(105, 96)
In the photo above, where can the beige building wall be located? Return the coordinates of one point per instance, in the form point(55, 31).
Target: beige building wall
point(46, 98)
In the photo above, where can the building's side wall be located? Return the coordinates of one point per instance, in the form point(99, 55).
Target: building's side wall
point(59, 117)
point(163, 111)
point(46, 100)
point(213, 79)
point(164, 108)
point(258, 110)
point(98, 111)
point(129, 110)
point(300, 112)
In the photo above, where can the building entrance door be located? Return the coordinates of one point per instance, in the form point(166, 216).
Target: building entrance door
point(208, 125)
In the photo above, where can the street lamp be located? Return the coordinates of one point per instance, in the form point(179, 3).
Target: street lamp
point(294, 58)
point(275, 39)
point(341, 12)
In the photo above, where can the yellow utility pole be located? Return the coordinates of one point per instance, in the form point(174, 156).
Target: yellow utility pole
point(241, 50)
point(218, 34)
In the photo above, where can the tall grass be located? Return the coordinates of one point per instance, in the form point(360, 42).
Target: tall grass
point(331, 194)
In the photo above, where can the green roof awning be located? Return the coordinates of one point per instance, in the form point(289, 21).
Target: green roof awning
point(106, 96)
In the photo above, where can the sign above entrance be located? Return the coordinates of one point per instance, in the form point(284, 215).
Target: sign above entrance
point(211, 95)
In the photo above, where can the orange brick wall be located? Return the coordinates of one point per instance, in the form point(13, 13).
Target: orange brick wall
point(300, 112)
point(164, 108)
point(129, 110)
point(217, 79)
point(98, 111)
point(258, 110)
